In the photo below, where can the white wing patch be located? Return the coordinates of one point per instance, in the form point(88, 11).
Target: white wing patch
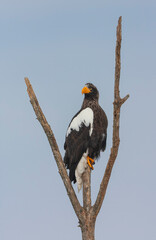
point(85, 116)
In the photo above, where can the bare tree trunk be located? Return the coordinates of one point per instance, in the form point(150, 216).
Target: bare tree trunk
point(88, 229)
point(88, 225)
point(87, 214)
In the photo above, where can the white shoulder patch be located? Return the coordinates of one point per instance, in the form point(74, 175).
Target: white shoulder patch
point(84, 117)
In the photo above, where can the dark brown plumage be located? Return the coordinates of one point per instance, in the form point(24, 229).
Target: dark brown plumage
point(87, 132)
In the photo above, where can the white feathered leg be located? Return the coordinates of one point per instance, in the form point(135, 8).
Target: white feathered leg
point(82, 165)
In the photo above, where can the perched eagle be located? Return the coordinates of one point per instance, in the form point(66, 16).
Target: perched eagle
point(86, 135)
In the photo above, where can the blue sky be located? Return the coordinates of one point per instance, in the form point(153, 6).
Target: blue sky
point(61, 45)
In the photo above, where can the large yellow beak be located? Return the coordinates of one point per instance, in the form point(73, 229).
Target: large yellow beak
point(85, 90)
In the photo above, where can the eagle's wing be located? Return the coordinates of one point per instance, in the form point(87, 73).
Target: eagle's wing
point(78, 139)
point(99, 135)
point(104, 125)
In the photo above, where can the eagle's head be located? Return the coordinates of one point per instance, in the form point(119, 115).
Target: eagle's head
point(90, 91)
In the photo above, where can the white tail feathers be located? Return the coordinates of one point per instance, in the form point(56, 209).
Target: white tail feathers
point(82, 165)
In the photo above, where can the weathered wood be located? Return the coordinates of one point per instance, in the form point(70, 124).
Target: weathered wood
point(116, 123)
point(53, 144)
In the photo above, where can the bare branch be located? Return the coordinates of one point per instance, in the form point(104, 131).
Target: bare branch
point(53, 144)
point(117, 60)
point(116, 119)
point(124, 99)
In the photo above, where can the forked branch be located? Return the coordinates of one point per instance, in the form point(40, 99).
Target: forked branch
point(116, 120)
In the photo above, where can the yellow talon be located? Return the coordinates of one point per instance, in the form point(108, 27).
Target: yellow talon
point(90, 162)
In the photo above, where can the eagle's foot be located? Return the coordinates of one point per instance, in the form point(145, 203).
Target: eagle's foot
point(90, 162)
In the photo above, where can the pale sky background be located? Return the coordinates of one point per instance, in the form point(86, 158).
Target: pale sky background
point(61, 45)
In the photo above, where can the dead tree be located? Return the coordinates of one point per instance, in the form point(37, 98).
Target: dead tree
point(87, 213)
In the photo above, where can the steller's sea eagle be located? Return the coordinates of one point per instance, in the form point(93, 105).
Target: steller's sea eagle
point(86, 135)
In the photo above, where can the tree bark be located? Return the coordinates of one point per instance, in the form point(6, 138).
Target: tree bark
point(88, 225)
point(87, 214)
point(116, 123)
point(54, 147)
point(86, 178)
point(88, 228)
